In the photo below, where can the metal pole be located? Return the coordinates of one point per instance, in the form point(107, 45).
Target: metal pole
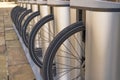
point(61, 20)
point(102, 39)
point(102, 45)
point(45, 29)
point(28, 5)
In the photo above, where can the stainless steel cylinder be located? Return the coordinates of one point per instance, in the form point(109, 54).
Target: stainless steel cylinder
point(28, 6)
point(102, 45)
point(45, 29)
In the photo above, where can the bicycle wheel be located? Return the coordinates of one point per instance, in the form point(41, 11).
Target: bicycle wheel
point(39, 40)
point(65, 57)
point(25, 35)
point(21, 18)
point(13, 11)
point(21, 11)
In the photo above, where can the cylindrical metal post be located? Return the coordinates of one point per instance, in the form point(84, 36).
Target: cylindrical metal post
point(24, 4)
point(34, 7)
point(45, 29)
point(28, 5)
point(102, 39)
point(61, 20)
point(102, 45)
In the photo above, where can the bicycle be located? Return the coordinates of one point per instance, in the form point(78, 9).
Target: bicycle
point(37, 40)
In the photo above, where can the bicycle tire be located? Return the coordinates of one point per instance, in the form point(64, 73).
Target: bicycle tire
point(51, 52)
point(33, 34)
point(12, 11)
point(25, 25)
point(16, 10)
point(21, 19)
point(17, 17)
point(16, 14)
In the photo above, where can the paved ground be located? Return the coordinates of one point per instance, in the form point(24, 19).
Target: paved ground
point(13, 63)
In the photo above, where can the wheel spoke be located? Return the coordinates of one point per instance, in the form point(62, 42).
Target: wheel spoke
point(70, 52)
point(65, 72)
point(74, 48)
point(81, 47)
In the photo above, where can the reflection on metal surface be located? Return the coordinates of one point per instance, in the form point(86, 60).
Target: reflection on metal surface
point(102, 45)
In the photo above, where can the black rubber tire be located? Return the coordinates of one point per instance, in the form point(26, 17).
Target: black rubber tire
point(54, 46)
point(13, 11)
point(33, 34)
point(16, 13)
point(21, 19)
point(25, 25)
point(17, 17)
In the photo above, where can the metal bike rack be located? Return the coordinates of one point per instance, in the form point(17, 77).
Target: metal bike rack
point(102, 39)
point(19, 3)
point(35, 8)
point(45, 11)
point(32, 5)
point(30, 20)
point(23, 16)
point(102, 32)
point(18, 12)
point(28, 5)
point(63, 17)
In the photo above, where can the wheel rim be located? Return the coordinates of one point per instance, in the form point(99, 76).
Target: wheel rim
point(65, 57)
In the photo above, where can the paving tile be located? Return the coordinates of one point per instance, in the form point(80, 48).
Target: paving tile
point(10, 35)
point(1, 16)
point(10, 31)
point(12, 43)
point(13, 61)
point(9, 10)
point(16, 56)
point(2, 49)
point(7, 19)
point(1, 20)
point(1, 24)
point(2, 34)
point(5, 13)
point(3, 67)
point(2, 40)
point(8, 22)
point(8, 26)
point(19, 72)
point(1, 28)
point(1, 12)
